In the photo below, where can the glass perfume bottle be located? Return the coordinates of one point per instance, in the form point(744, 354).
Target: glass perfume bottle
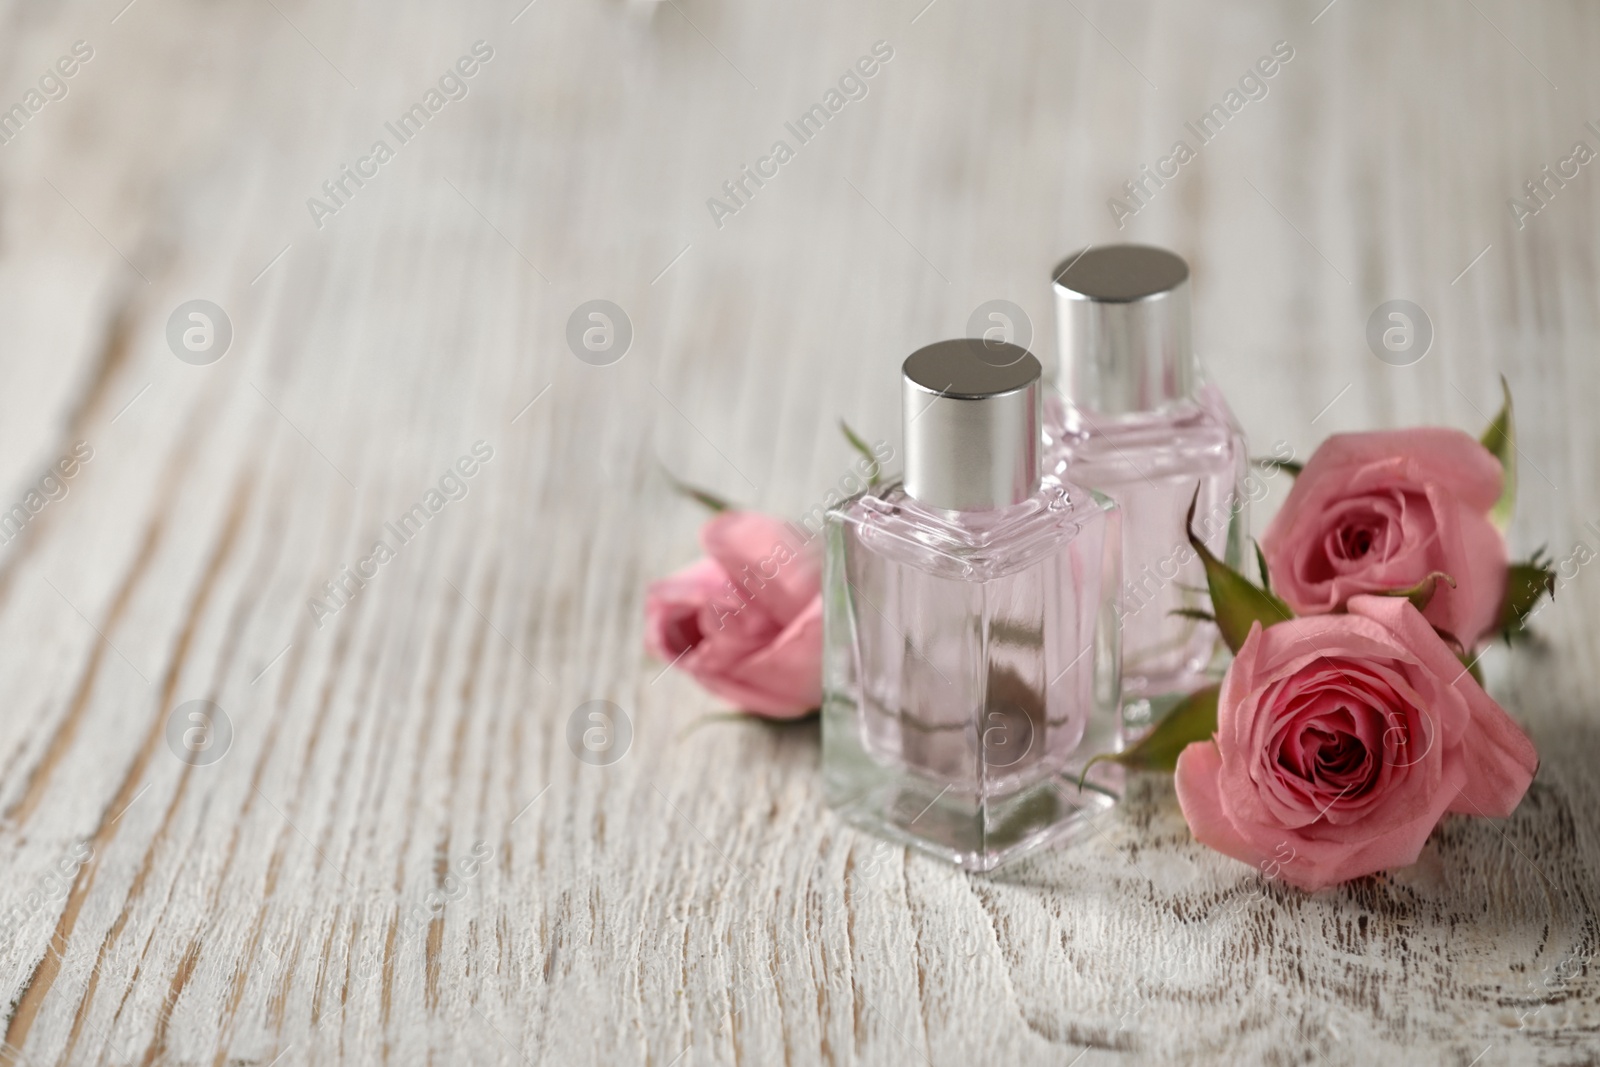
point(970, 662)
point(1132, 417)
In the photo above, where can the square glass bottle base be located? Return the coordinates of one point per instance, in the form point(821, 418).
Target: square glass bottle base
point(970, 670)
point(973, 831)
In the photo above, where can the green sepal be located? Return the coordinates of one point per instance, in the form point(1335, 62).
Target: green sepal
point(708, 499)
point(1501, 441)
point(1289, 466)
point(859, 443)
point(1194, 719)
point(1193, 613)
point(748, 718)
point(1235, 600)
point(1526, 585)
point(1421, 594)
point(1261, 565)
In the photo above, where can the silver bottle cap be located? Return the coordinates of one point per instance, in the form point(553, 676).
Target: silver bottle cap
point(971, 417)
point(1122, 329)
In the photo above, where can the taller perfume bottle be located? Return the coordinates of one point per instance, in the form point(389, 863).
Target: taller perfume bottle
point(970, 660)
point(1131, 416)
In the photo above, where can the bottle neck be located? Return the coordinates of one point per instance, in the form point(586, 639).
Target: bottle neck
point(1079, 416)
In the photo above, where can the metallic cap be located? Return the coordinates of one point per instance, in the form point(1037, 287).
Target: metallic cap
point(971, 418)
point(1122, 329)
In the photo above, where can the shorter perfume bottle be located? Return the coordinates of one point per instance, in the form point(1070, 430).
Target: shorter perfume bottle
point(970, 660)
point(1132, 417)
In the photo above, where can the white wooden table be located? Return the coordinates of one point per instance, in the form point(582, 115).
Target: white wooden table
point(396, 856)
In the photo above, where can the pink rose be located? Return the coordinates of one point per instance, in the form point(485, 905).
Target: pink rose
point(1342, 740)
point(1374, 512)
point(746, 622)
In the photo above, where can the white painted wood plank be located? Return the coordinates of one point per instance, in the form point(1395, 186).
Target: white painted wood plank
point(695, 902)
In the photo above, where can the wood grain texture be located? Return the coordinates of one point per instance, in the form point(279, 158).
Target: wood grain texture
point(694, 902)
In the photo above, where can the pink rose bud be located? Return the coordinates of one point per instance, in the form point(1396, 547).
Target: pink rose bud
point(1341, 741)
point(1376, 512)
point(746, 622)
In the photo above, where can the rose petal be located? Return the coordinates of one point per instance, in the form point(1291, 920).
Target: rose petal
point(1199, 795)
point(731, 632)
point(1341, 741)
point(1470, 609)
point(1497, 758)
point(1373, 512)
point(672, 608)
point(782, 679)
point(1448, 457)
point(1321, 863)
point(773, 570)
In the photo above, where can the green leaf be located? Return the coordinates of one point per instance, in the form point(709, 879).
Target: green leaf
point(1261, 565)
point(1526, 585)
point(1194, 719)
point(1501, 440)
point(860, 445)
point(1421, 594)
point(1289, 466)
point(1236, 601)
point(710, 500)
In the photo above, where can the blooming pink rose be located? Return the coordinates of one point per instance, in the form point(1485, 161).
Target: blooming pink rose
point(1342, 740)
point(1374, 512)
point(747, 621)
